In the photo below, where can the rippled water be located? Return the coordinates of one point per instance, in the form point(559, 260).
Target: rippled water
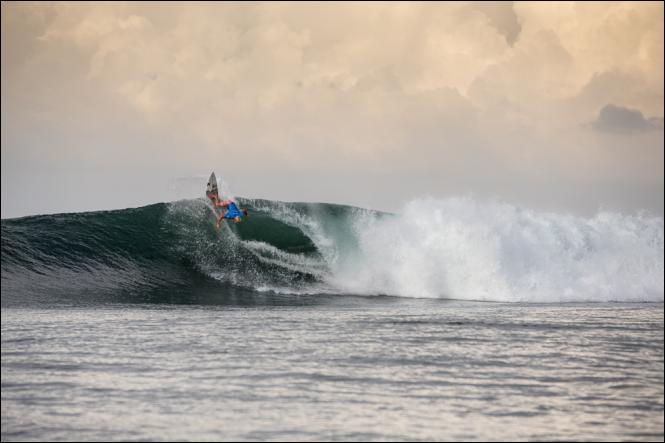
point(333, 368)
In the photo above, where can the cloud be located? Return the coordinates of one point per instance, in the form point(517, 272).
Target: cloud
point(630, 88)
point(458, 95)
point(618, 119)
point(502, 16)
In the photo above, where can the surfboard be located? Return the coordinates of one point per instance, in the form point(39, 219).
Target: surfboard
point(211, 188)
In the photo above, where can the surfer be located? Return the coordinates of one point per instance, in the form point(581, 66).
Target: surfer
point(231, 212)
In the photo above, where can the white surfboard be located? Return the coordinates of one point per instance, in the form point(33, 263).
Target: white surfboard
point(211, 188)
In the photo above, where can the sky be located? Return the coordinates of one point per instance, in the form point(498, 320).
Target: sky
point(552, 106)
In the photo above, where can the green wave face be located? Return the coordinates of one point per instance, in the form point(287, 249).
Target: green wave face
point(166, 247)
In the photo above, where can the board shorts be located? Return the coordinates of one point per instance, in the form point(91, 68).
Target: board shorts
point(233, 212)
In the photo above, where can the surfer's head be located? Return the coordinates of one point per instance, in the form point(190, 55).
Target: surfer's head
point(245, 212)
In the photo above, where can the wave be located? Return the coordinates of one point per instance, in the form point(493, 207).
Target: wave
point(456, 248)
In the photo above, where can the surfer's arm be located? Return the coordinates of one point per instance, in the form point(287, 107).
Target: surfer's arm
point(215, 201)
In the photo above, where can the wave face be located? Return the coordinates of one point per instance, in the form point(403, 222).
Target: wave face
point(455, 248)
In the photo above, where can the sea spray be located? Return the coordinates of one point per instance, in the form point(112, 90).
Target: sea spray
point(465, 249)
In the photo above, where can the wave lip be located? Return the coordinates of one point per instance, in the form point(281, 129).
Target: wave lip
point(455, 248)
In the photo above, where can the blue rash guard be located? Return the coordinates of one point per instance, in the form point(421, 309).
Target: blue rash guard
point(233, 212)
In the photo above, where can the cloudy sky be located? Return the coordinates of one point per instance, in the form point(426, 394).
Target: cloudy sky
point(555, 106)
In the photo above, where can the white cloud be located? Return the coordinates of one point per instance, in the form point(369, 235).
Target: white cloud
point(444, 89)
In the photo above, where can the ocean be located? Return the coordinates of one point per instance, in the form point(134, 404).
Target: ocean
point(454, 320)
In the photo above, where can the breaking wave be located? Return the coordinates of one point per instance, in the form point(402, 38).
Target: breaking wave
point(455, 248)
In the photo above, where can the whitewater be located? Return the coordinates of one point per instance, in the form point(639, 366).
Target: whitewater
point(469, 250)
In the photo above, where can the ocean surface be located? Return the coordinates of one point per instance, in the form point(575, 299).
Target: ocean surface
point(456, 320)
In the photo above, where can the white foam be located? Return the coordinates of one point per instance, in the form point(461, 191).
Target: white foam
point(464, 249)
